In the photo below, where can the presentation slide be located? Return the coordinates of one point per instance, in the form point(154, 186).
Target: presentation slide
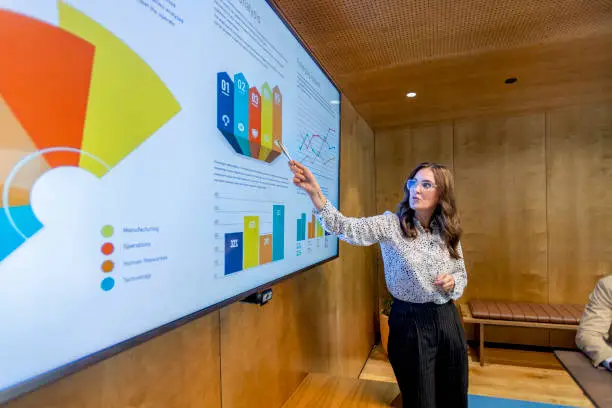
point(141, 174)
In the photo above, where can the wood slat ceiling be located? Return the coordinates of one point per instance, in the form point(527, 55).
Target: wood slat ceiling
point(456, 53)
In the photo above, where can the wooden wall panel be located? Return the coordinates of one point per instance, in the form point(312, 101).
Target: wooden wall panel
point(393, 163)
point(320, 321)
point(393, 158)
point(354, 275)
point(179, 369)
point(580, 200)
point(399, 150)
point(262, 359)
point(501, 189)
point(433, 144)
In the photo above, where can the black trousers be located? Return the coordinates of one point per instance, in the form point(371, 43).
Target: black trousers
point(428, 353)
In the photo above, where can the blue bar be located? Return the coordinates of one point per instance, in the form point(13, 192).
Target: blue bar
point(303, 227)
point(233, 252)
point(241, 113)
point(299, 230)
point(278, 233)
point(225, 109)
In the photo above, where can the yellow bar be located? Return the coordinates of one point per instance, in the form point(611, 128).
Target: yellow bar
point(319, 230)
point(266, 122)
point(251, 241)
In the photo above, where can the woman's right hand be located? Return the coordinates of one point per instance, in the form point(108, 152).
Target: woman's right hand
point(304, 179)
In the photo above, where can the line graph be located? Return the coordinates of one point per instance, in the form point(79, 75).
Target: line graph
point(316, 140)
point(319, 152)
point(316, 149)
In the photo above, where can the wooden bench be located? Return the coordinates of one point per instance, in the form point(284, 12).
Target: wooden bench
point(532, 315)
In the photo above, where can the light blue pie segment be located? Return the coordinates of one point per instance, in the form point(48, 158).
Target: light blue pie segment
point(25, 220)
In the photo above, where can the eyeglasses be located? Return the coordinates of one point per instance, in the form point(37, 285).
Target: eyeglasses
point(425, 185)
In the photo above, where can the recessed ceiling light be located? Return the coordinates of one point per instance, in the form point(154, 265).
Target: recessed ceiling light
point(335, 102)
point(411, 94)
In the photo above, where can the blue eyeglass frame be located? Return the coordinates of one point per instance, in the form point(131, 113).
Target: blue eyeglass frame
point(416, 183)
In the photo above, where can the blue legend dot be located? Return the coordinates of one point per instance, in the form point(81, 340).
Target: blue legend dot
point(107, 284)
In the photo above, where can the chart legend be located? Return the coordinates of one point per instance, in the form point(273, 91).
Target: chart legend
point(108, 265)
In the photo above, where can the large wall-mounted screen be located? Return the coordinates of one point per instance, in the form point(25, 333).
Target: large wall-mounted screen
point(141, 178)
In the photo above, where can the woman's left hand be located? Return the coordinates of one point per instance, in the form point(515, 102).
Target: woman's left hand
point(445, 282)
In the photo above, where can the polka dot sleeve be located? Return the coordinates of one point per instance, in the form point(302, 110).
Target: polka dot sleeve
point(459, 274)
point(356, 231)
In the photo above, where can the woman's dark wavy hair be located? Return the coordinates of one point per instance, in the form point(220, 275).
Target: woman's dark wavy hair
point(445, 214)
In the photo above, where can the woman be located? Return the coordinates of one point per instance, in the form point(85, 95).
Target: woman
point(425, 273)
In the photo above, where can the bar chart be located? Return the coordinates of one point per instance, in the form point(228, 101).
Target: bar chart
point(309, 234)
point(252, 236)
point(312, 229)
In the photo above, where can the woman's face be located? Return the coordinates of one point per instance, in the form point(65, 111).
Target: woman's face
point(424, 194)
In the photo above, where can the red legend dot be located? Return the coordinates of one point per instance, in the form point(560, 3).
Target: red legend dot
point(108, 248)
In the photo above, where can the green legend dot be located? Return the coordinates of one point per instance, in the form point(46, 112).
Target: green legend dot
point(107, 231)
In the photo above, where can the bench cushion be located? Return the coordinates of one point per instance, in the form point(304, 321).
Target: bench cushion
point(527, 312)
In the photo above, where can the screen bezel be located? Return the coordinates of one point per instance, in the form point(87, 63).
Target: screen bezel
point(66, 370)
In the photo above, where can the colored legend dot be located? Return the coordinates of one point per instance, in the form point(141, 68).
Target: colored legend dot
point(107, 231)
point(108, 248)
point(108, 266)
point(107, 284)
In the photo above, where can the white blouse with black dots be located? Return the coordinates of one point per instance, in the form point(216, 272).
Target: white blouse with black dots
point(411, 264)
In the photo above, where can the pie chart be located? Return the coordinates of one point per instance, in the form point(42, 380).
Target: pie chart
point(72, 94)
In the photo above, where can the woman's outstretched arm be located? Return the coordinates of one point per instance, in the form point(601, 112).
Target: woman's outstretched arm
point(356, 231)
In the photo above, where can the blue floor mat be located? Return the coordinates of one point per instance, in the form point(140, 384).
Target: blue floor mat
point(477, 401)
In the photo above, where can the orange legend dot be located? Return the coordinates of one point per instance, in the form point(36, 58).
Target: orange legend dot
point(108, 248)
point(108, 266)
